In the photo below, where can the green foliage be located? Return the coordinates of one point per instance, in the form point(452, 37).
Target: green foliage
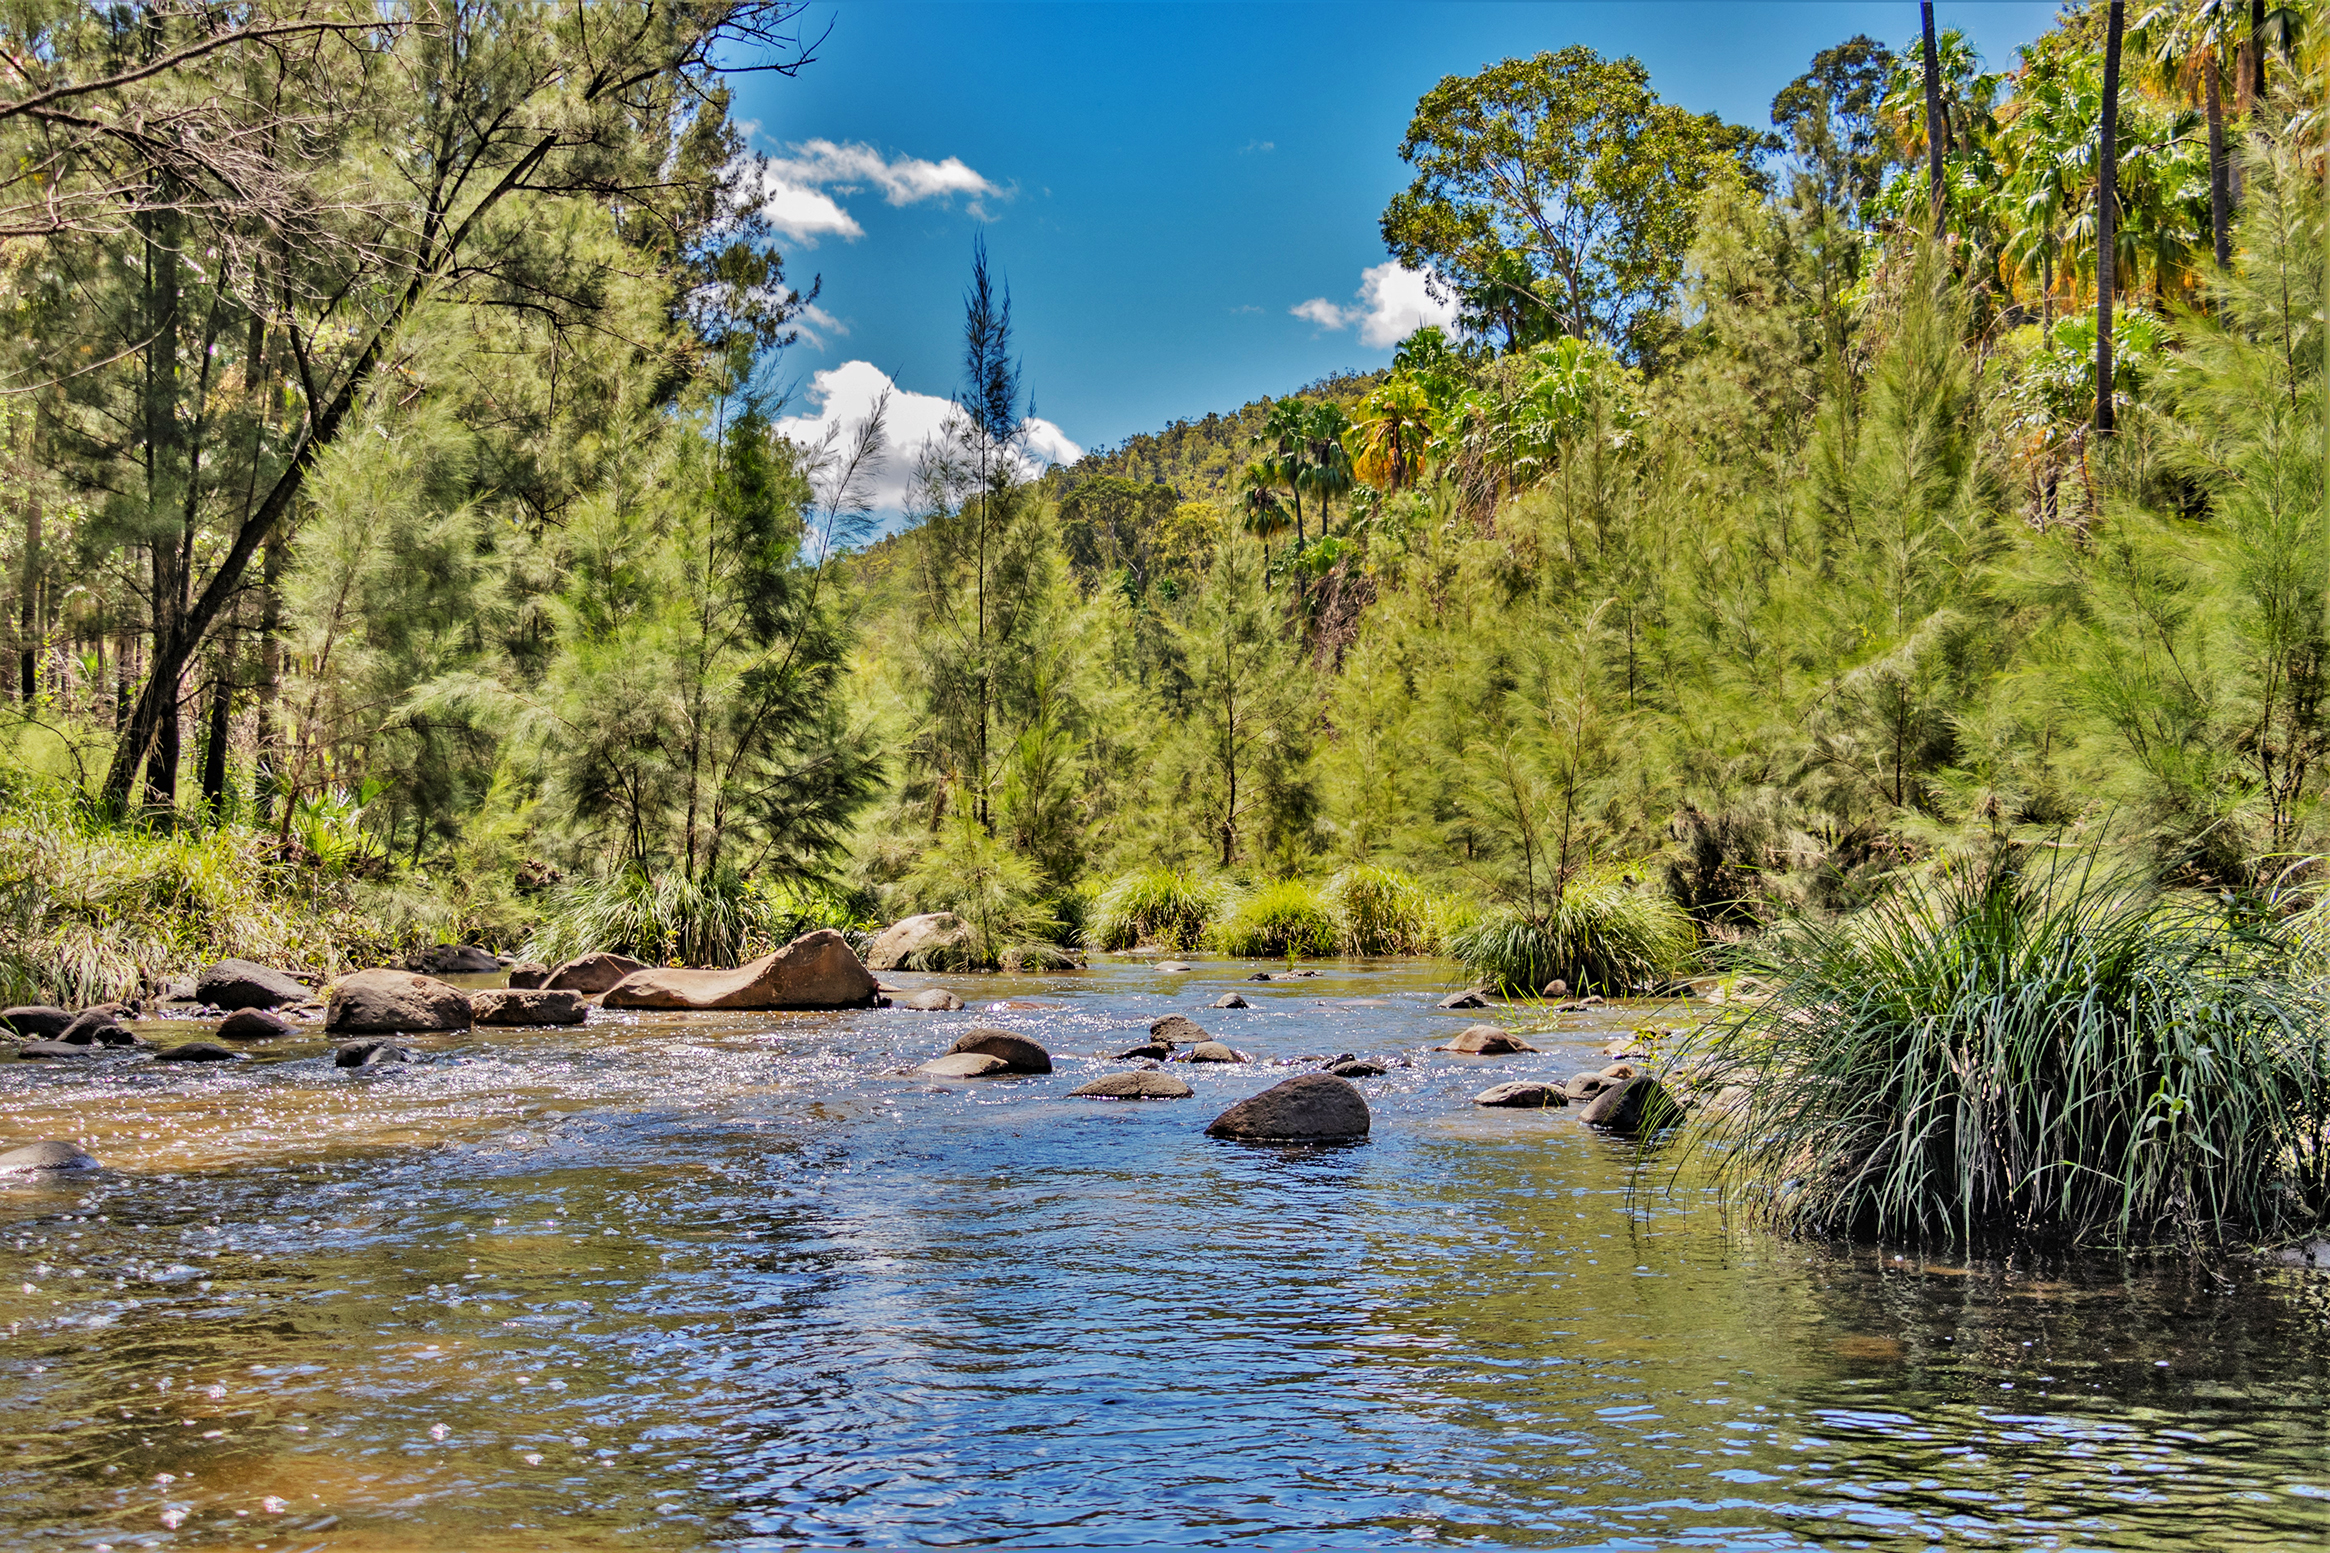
point(1154, 906)
point(2030, 1042)
point(1285, 918)
point(1381, 911)
point(1604, 934)
point(663, 919)
point(999, 895)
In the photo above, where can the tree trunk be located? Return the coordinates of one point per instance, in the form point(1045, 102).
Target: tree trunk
point(270, 676)
point(2107, 217)
point(214, 750)
point(2220, 191)
point(29, 631)
point(1936, 129)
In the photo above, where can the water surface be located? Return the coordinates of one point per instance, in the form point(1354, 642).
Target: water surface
point(677, 1281)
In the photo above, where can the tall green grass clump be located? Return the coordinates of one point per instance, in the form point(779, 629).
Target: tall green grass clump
point(1601, 935)
point(1153, 906)
point(659, 918)
point(1381, 911)
point(2045, 1048)
point(1283, 918)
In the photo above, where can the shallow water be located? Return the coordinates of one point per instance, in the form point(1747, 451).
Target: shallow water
point(673, 1281)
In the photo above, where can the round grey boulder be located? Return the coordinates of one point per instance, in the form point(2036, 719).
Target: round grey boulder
point(36, 1022)
point(913, 941)
point(1471, 997)
point(932, 1000)
point(1016, 1052)
point(255, 1024)
point(54, 1154)
point(527, 975)
point(1147, 1051)
point(1486, 1041)
point(1633, 1105)
point(1585, 1086)
point(1230, 1000)
point(1310, 1108)
point(587, 973)
point(1356, 1067)
point(1524, 1094)
point(964, 1065)
point(1173, 965)
point(235, 984)
point(1176, 1030)
point(455, 960)
point(1146, 1085)
point(386, 1002)
point(1214, 1051)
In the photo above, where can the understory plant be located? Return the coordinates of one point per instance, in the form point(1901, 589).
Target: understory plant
point(1287, 917)
point(1160, 906)
point(718, 919)
point(1600, 933)
point(2029, 1042)
point(1381, 911)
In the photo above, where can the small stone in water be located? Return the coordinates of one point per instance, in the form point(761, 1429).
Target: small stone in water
point(274, 1506)
point(437, 1431)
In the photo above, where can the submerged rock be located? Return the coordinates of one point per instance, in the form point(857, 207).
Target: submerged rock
point(1524, 1092)
point(96, 1027)
point(1015, 1052)
point(912, 936)
point(369, 1054)
point(36, 1021)
point(1173, 965)
point(1486, 1041)
point(816, 970)
point(1585, 1086)
point(592, 973)
point(1471, 997)
point(39, 1051)
point(51, 1154)
point(232, 984)
point(196, 1051)
point(529, 975)
point(1632, 1105)
point(375, 1002)
point(527, 1006)
point(1153, 1051)
point(1214, 1051)
point(1356, 1067)
point(964, 1065)
point(1230, 1000)
point(1147, 1084)
point(932, 1000)
point(1556, 988)
point(1310, 1108)
point(255, 1024)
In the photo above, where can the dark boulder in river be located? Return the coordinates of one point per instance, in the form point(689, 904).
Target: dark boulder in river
point(36, 1022)
point(965, 1065)
point(97, 1027)
point(53, 1154)
point(1356, 1067)
point(1214, 1051)
point(369, 1054)
point(1153, 1051)
point(244, 984)
point(1525, 1094)
point(1632, 1105)
point(1486, 1041)
point(527, 1006)
point(1230, 1000)
point(1146, 1085)
point(454, 960)
point(1310, 1108)
point(195, 1051)
point(917, 938)
point(52, 1051)
point(1471, 997)
point(527, 975)
point(816, 970)
point(592, 973)
point(1176, 1029)
point(377, 1002)
point(255, 1024)
point(1015, 1052)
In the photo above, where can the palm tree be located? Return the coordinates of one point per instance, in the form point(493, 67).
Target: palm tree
point(1387, 442)
point(1260, 512)
point(2107, 195)
point(1284, 442)
point(1326, 466)
point(2185, 48)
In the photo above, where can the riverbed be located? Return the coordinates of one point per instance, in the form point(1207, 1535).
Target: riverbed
point(682, 1281)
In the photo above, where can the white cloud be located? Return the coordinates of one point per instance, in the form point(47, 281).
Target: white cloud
point(817, 327)
point(843, 395)
point(794, 187)
point(1393, 304)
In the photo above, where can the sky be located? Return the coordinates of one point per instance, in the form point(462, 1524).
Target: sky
point(1182, 198)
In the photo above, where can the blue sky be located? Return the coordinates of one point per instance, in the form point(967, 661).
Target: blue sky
point(1162, 185)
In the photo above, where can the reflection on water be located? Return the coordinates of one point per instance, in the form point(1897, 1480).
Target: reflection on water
point(676, 1281)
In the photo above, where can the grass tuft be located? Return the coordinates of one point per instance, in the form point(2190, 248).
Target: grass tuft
point(2029, 1047)
point(1604, 935)
point(1153, 906)
point(1275, 920)
point(1381, 911)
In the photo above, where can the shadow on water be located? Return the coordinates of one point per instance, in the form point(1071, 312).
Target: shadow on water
point(678, 1281)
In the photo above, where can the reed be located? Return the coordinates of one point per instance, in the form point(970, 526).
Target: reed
point(1153, 906)
point(1287, 917)
point(1381, 911)
point(1602, 935)
point(2028, 1045)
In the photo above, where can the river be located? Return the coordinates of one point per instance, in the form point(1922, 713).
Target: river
point(681, 1281)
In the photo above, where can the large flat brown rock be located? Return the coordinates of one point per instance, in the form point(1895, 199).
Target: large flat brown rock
point(816, 970)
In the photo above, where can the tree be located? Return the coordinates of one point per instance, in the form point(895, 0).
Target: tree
point(1246, 714)
point(245, 302)
point(2184, 49)
point(1830, 115)
point(1564, 185)
point(2107, 199)
point(1936, 127)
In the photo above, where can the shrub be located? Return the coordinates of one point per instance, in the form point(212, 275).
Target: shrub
point(1603, 935)
point(2045, 1049)
point(1381, 911)
point(1287, 918)
point(1000, 897)
point(1153, 905)
point(719, 920)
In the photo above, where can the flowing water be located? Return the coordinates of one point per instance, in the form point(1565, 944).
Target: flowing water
point(677, 1281)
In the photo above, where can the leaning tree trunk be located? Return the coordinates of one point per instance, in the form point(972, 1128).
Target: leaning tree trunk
point(1936, 128)
point(29, 639)
point(2220, 187)
point(2106, 217)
